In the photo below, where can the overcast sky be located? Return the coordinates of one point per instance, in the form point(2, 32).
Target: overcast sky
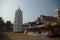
point(31, 8)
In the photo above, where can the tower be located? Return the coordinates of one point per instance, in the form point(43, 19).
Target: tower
point(57, 13)
point(18, 21)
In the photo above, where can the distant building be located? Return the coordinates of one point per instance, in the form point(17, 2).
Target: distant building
point(57, 13)
point(18, 21)
point(47, 18)
point(42, 25)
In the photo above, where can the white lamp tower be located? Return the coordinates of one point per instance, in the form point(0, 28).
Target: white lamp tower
point(18, 21)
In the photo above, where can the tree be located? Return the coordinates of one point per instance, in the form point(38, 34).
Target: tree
point(1, 24)
point(51, 28)
point(8, 25)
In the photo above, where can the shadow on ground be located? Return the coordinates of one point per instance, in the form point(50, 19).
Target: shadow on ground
point(4, 36)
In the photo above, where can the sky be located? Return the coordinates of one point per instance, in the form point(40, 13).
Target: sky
point(31, 9)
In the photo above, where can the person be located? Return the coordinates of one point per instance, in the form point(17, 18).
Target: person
point(39, 32)
point(25, 31)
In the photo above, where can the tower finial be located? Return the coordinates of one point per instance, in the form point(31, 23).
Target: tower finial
point(19, 7)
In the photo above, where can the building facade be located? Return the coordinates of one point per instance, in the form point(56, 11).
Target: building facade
point(18, 21)
point(47, 18)
point(57, 13)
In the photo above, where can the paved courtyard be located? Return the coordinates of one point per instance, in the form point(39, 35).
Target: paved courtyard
point(21, 36)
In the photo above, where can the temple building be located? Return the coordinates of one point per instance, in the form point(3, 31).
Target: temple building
point(18, 21)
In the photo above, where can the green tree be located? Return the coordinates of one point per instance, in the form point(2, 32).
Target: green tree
point(51, 28)
point(1, 24)
point(8, 25)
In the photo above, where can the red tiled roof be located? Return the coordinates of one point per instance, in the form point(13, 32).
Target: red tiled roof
point(47, 18)
point(39, 26)
point(43, 25)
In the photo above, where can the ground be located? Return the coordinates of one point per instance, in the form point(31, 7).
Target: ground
point(21, 36)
